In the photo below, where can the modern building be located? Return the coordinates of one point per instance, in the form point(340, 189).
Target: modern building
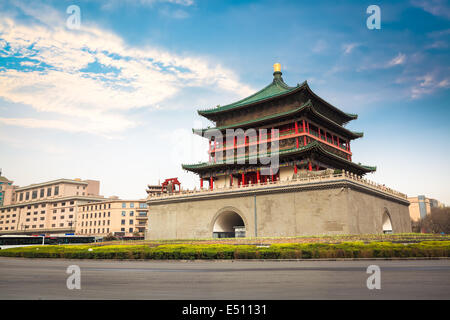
point(5, 187)
point(46, 208)
point(280, 164)
point(113, 216)
point(421, 206)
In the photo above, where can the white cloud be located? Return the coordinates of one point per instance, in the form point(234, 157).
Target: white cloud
point(348, 48)
point(111, 4)
point(398, 60)
point(132, 78)
point(435, 7)
point(427, 84)
point(319, 46)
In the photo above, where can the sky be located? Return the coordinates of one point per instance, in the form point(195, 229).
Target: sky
point(115, 99)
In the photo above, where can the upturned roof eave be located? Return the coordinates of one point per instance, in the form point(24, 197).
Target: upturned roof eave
point(313, 145)
point(306, 105)
point(237, 105)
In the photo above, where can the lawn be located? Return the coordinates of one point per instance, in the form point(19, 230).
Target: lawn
point(275, 248)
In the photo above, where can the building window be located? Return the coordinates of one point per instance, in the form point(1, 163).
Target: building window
point(56, 191)
point(131, 221)
point(124, 205)
point(132, 205)
point(123, 221)
point(123, 213)
point(49, 192)
point(72, 202)
point(21, 196)
point(27, 195)
point(122, 229)
point(131, 229)
point(142, 205)
point(34, 194)
point(42, 193)
point(131, 213)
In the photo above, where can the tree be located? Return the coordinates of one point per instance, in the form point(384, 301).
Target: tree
point(109, 237)
point(438, 221)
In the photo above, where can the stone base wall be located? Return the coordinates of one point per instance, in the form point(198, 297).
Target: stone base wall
point(340, 209)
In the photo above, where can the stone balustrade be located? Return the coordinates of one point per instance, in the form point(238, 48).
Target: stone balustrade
point(297, 179)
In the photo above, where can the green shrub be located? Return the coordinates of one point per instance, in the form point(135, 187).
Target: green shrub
point(355, 249)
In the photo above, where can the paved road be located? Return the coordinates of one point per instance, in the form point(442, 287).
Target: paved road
point(46, 279)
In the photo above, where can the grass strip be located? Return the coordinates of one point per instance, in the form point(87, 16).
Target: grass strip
point(355, 249)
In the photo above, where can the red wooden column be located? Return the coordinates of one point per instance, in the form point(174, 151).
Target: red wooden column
point(317, 167)
point(243, 178)
point(296, 132)
point(201, 183)
point(319, 133)
point(309, 166)
point(258, 178)
point(304, 131)
point(295, 168)
point(211, 183)
point(339, 145)
point(231, 180)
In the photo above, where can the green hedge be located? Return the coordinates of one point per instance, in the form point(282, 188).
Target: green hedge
point(224, 251)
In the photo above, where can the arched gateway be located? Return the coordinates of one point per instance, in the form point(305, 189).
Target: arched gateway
point(228, 223)
point(386, 222)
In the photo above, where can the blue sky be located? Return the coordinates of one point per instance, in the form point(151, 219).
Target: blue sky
point(116, 99)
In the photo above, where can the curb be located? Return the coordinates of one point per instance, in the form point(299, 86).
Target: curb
point(241, 260)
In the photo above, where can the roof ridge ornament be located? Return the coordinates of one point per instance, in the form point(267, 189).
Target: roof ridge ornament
point(277, 72)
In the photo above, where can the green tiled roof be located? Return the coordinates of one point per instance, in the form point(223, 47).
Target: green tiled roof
point(4, 179)
point(307, 104)
point(276, 88)
point(312, 145)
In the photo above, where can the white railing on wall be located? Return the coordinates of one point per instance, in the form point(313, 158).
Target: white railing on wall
point(296, 179)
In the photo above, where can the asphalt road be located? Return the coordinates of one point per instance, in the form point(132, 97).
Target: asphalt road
point(46, 279)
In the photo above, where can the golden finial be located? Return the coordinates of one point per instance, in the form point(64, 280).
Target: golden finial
point(277, 67)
